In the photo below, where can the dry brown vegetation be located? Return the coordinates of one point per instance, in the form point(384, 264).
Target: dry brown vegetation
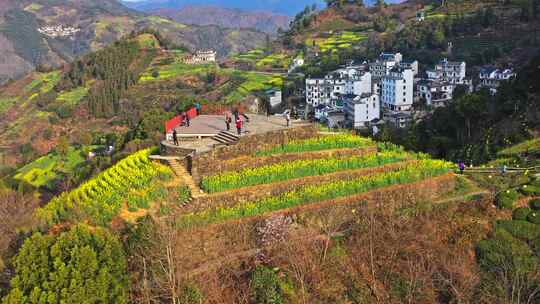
point(387, 246)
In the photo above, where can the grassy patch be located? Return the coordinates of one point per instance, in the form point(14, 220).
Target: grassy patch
point(530, 146)
point(340, 141)
point(279, 61)
point(6, 103)
point(340, 40)
point(44, 81)
point(252, 55)
point(173, 70)
point(147, 41)
point(33, 8)
point(160, 20)
point(72, 97)
point(254, 82)
point(45, 170)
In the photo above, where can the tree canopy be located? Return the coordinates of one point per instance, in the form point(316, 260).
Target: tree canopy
point(83, 265)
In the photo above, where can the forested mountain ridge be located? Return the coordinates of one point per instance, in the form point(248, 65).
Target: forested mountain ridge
point(227, 18)
point(73, 28)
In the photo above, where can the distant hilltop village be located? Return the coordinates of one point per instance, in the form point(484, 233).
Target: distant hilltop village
point(201, 57)
point(58, 31)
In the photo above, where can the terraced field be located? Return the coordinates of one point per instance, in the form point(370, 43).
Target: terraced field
point(44, 171)
point(303, 173)
point(133, 182)
point(308, 183)
point(342, 40)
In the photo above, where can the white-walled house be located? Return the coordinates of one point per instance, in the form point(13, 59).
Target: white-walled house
point(274, 97)
point(450, 71)
point(435, 93)
point(297, 62)
point(385, 63)
point(360, 110)
point(326, 91)
point(202, 57)
point(491, 77)
point(359, 84)
point(410, 64)
point(397, 90)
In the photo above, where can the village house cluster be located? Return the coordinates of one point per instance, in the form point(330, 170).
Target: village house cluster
point(388, 90)
point(58, 31)
point(201, 57)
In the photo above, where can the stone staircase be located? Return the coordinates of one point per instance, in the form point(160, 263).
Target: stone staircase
point(182, 173)
point(226, 138)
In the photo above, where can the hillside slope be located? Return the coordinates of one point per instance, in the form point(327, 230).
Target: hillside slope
point(95, 24)
point(227, 18)
point(127, 90)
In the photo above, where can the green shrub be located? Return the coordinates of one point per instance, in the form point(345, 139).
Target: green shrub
point(534, 217)
point(265, 286)
point(530, 190)
point(191, 295)
point(506, 199)
point(503, 249)
point(520, 229)
point(83, 265)
point(535, 245)
point(520, 214)
point(184, 194)
point(535, 204)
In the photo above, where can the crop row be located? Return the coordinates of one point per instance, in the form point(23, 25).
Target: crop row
point(412, 173)
point(296, 169)
point(102, 197)
point(320, 143)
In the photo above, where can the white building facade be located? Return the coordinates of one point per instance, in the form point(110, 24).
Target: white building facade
point(449, 71)
point(202, 57)
point(435, 93)
point(361, 110)
point(491, 77)
point(386, 62)
point(328, 90)
point(397, 90)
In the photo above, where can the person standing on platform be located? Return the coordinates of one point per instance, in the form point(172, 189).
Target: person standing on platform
point(187, 119)
point(228, 121)
point(198, 108)
point(175, 137)
point(239, 125)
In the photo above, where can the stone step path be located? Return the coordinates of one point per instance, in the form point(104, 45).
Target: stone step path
point(226, 138)
point(182, 173)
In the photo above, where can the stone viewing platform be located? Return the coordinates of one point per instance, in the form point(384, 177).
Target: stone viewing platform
point(199, 136)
